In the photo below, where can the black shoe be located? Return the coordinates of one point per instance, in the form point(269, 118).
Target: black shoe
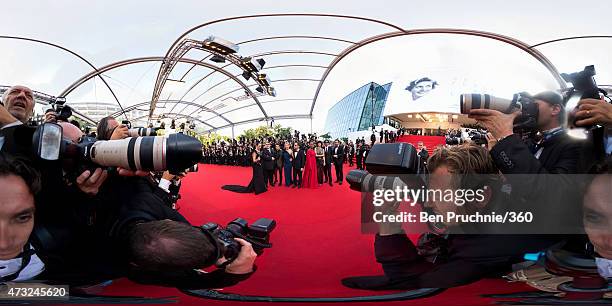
point(340, 183)
point(293, 186)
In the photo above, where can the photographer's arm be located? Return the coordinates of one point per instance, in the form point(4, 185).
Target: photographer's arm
point(6, 118)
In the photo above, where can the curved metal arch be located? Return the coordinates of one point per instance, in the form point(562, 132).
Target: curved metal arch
point(253, 55)
point(272, 38)
point(276, 15)
point(178, 116)
point(111, 66)
point(569, 38)
point(283, 117)
point(221, 82)
point(263, 102)
point(73, 53)
point(506, 39)
point(137, 105)
point(275, 81)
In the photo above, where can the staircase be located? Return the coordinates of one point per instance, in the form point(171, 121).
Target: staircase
point(430, 142)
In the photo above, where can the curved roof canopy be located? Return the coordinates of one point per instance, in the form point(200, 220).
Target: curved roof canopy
point(310, 61)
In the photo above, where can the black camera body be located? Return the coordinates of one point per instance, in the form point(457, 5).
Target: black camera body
point(258, 234)
point(478, 137)
point(382, 162)
point(63, 112)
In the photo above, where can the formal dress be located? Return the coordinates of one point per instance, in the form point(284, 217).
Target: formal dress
point(257, 184)
point(309, 179)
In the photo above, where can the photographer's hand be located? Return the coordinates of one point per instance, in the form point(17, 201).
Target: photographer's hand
point(593, 111)
point(90, 183)
point(50, 117)
point(499, 124)
point(243, 264)
point(120, 132)
point(126, 172)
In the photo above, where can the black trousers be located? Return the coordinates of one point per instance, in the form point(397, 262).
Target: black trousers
point(297, 177)
point(269, 176)
point(278, 174)
point(339, 172)
point(327, 173)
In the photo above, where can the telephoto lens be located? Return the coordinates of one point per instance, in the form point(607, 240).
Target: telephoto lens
point(175, 153)
point(141, 131)
point(469, 102)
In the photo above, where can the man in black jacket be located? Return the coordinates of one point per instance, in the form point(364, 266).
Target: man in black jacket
point(131, 232)
point(299, 160)
point(338, 159)
point(268, 164)
point(328, 163)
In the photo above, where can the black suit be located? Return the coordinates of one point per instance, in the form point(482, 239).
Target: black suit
point(359, 158)
point(328, 164)
point(338, 159)
point(268, 166)
point(547, 190)
point(299, 160)
point(470, 258)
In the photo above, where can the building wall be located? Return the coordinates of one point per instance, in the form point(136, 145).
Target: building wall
point(353, 112)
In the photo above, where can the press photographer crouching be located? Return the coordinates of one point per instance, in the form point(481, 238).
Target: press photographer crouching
point(448, 260)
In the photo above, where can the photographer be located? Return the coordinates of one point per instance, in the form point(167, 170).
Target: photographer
point(591, 112)
point(461, 258)
point(555, 152)
point(109, 129)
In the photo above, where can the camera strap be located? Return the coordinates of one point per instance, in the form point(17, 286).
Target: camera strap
point(26, 256)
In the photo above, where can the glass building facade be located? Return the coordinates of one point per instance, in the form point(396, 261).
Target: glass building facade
point(354, 112)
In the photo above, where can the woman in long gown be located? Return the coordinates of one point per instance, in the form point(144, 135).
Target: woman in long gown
point(257, 184)
point(310, 168)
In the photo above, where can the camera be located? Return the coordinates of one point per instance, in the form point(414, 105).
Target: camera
point(150, 153)
point(478, 137)
point(388, 158)
point(63, 112)
point(141, 131)
point(257, 233)
point(526, 121)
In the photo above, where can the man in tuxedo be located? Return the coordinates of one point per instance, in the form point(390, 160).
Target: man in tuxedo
point(351, 153)
point(359, 156)
point(299, 160)
point(268, 164)
point(373, 138)
point(328, 163)
point(423, 154)
point(338, 159)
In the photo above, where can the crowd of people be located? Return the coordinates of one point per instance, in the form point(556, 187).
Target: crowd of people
point(92, 225)
point(298, 161)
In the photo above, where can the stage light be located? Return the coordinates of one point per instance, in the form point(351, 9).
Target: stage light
point(251, 64)
point(259, 89)
point(264, 80)
point(217, 59)
point(220, 45)
point(246, 75)
point(271, 91)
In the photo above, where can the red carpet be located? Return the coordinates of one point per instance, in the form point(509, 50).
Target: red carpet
point(317, 242)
